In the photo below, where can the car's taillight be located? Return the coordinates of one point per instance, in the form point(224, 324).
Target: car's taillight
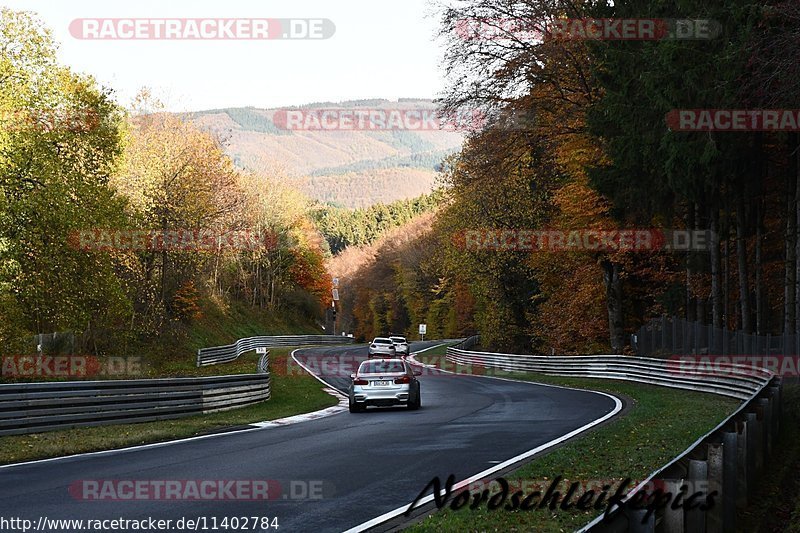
point(401, 380)
point(359, 381)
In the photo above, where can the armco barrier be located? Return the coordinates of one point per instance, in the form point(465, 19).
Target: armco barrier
point(735, 384)
point(728, 459)
point(35, 407)
point(225, 354)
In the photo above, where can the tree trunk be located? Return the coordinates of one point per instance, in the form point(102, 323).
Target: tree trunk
point(789, 286)
point(796, 216)
point(690, 307)
point(759, 279)
point(616, 322)
point(726, 276)
point(700, 299)
point(716, 267)
point(741, 252)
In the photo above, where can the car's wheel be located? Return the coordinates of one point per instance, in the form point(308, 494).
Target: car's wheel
point(416, 404)
point(355, 408)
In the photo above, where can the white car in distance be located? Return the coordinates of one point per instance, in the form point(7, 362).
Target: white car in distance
point(381, 347)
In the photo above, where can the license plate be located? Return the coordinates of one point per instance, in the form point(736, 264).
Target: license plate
point(381, 383)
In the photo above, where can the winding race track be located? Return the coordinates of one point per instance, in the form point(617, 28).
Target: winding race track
point(328, 474)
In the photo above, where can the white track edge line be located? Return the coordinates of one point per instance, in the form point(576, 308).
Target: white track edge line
point(489, 471)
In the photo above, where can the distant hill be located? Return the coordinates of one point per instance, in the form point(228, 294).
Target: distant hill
point(348, 168)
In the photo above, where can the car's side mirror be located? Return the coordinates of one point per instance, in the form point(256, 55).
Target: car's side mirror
point(417, 372)
point(352, 376)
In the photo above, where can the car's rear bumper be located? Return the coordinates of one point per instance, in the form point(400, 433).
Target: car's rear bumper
point(398, 396)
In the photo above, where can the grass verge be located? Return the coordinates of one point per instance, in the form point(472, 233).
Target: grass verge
point(629, 447)
point(173, 354)
point(291, 395)
point(434, 356)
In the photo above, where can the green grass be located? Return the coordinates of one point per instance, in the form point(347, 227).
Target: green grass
point(218, 327)
point(434, 356)
point(222, 326)
point(660, 424)
point(292, 393)
point(174, 354)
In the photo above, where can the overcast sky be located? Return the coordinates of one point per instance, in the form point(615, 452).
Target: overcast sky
point(380, 49)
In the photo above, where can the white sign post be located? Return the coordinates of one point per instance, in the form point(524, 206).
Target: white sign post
point(261, 351)
point(423, 329)
point(333, 305)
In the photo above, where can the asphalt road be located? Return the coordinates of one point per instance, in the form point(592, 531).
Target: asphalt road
point(363, 464)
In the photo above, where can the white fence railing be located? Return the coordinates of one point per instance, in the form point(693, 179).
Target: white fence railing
point(225, 354)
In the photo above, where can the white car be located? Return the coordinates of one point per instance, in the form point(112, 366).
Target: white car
point(384, 382)
point(400, 345)
point(381, 347)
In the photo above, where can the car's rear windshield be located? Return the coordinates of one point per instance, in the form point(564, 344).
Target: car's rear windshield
point(382, 341)
point(399, 339)
point(381, 367)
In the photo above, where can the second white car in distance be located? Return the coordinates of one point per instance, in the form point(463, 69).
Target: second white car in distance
point(381, 347)
point(400, 345)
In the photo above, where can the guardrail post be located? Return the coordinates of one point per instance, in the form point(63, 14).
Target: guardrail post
point(673, 518)
point(715, 483)
point(752, 451)
point(765, 404)
point(712, 348)
point(777, 407)
point(729, 480)
point(698, 478)
point(761, 448)
point(635, 518)
point(742, 463)
point(674, 339)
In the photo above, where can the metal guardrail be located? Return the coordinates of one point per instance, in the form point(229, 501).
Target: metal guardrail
point(728, 459)
point(739, 382)
point(225, 354)
point(35, 407)
point(467, 343)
